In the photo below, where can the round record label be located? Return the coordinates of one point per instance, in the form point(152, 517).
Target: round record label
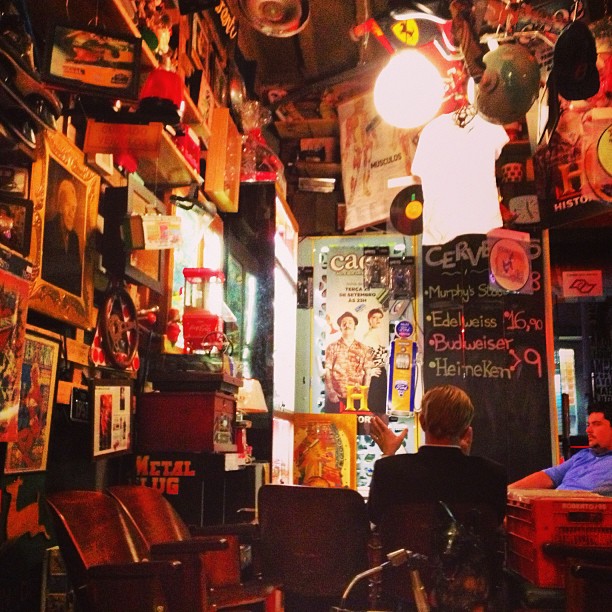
point(406, 213)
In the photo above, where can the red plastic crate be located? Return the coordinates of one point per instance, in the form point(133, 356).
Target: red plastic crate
point(537, 517)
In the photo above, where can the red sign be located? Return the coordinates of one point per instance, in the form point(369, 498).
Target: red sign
point(582, 283)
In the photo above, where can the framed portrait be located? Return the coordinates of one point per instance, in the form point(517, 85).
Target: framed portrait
point(38, 378)
point(90, 60)
point(14, 181)
point(13, 313)
point(111, 417)
point(16, 223)
point(65, 193)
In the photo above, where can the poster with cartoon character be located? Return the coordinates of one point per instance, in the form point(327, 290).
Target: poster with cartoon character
point(38, 376)
point(13, 311)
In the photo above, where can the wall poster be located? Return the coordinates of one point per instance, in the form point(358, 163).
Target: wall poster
point(573, 170)
point(325, 450)
point(111, 417)
point(38, 377)
point(372, 152)
point(13, 312)
point(362, 291)
point(352, 379)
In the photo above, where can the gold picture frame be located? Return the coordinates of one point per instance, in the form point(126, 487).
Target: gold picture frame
point(63, 284)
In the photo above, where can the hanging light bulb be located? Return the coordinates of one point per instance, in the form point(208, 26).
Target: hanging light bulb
point(409, 90)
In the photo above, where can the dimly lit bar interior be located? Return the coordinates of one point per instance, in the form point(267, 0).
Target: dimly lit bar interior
point(305, 305)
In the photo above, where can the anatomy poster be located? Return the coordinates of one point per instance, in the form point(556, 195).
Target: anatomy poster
point(372, 152)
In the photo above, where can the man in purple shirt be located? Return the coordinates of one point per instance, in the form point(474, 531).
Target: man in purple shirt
point(588, 470)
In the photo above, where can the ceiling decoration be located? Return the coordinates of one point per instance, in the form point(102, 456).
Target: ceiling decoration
point(276, 18)
point(299, 47)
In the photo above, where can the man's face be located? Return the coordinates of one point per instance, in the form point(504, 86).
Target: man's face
point(599, 432)
point(347, 326)
point(68, 207)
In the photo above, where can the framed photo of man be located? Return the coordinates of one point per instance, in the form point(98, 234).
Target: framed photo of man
point(65, 193)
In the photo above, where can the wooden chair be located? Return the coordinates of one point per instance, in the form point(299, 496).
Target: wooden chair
point(313, 541)
point(160, 526)
point(420, 527)
point(107, 562)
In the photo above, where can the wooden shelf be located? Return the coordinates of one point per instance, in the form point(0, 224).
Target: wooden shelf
point(169, 169)
point(116, 16)
point(318, 169)
point(311, 128)
point(160, 162)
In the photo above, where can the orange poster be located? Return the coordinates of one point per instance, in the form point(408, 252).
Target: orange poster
point(13, 311)
point(325, 450)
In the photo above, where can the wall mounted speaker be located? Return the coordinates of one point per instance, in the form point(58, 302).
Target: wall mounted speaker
point(277, 18)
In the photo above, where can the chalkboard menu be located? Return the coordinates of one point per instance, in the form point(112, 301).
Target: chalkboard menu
point(491, 343)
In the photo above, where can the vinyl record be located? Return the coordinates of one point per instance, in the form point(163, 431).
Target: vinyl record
point(406, 213)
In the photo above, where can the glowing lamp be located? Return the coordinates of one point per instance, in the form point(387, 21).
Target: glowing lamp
point(409, 90)
point(250, 398)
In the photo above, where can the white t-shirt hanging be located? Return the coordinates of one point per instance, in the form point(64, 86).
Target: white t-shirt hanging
point(457, 169)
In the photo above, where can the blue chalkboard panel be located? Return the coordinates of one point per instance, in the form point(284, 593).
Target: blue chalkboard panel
point(491, 343)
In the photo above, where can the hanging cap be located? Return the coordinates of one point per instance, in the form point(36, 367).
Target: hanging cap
point(575, 62)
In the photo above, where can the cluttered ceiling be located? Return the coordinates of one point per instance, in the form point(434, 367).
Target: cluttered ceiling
point(323, 52)
point(298, 48)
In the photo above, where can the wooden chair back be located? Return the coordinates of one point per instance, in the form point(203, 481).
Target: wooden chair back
point(216, 571)
point(104, 556)
point(158, 522)
point(312, 540)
